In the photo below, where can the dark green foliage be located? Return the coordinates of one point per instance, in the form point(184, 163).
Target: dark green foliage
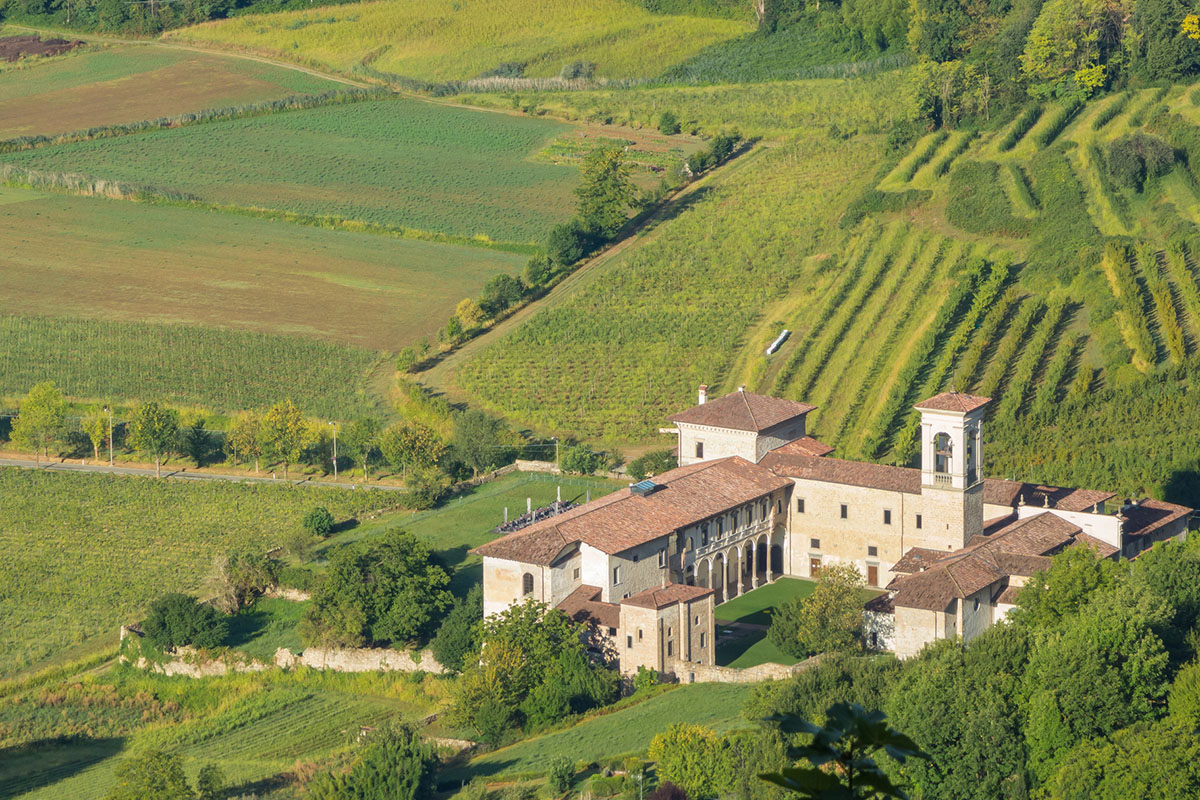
point(179, 620)
point(569, 685)
point(299, 578)
point(198, 443)
point(458, 634)
point(719, 149)
point(151, 775)
point(1061, 118)
point(210, 783)
point(388, 590)
point(559, 776)
point(396, 765)
point(668, 123)
point(1150, 761)
point(1063, 234)
point(873, 202)
point(1166, 51)
point(1061, 591)
point(500, 294)
point(605, 191)
point(978, 202)
point(318, 521)
point(481, 442)
point(1136, 158)
point(579, 459)
point(867, 681)
point(537, 270)
point(652, 463)
point(568, 242)
point(849, 743)
point(1026, 120)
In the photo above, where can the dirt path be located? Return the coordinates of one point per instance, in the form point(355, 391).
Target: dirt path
point(170, 45)
point(442, 376)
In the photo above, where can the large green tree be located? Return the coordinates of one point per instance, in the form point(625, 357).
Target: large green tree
point(605, 191)
point(40, 420)
point(828, 620)
point(410, 444)
point(282, 433)
point(154, 430)
point(362, 441)
point(1146, 762)
point(397, 764)
point(151, 775)
point(389, 590)
point(482, 442)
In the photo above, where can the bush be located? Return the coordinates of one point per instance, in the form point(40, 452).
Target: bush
point(318, 521)
point(874, 201)
point(299, 578)
point(645, 679)
point(179, 620)
point(299, 544)
point(652, 463)
point(668, 123)
point(579, 459)
point(1136, 158)
point(578, 70)
point(560, 774)
point(457, 635)
point(567, 243)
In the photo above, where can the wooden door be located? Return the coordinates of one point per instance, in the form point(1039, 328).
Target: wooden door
point(872, 575)
point(814, 566)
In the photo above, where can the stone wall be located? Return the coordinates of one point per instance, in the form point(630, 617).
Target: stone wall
point(366, 659)
point(698, 673)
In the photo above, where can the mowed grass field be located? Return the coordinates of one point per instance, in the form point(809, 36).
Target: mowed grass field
point(114, 84)
point(716, 706)
point(82, 554)
point(400, 163)
point(453, 40)
point(112, 260)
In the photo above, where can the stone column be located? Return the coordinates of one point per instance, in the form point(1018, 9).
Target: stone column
point(741, 566)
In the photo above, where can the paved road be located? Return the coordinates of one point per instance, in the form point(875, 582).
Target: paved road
point(183, 474)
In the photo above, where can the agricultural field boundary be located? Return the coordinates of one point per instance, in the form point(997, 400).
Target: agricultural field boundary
point(442, 376)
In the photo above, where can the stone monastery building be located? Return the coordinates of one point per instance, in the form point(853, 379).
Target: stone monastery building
point(755, 498)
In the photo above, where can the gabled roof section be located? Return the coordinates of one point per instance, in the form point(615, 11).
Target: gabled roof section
point(918, 559)
point(668, 595)
point(836, 470)
point(622, 520)
point(584, 605)
point(1012, 493)
point(804, 446)
point(743, 411)
point(1148, 516)
point(953, 401)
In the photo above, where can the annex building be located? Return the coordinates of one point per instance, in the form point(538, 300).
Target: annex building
point(756, 498)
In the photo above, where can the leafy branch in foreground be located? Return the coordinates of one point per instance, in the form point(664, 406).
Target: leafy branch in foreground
point(841, 755)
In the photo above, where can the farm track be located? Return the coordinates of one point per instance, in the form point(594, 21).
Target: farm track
point(442, 376)
point(183, 474)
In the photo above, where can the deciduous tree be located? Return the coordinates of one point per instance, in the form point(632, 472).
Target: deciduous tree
point(828, 620)
point(411, 444)
point(95, 425)
point(151, 775)
point(154, 430)
point(282, 433)
point(482, 442)
point(40, 420)
point(244, 438)
point(606, 191)
point(362, 441)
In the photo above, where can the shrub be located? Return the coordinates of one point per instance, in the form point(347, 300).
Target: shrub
point(579, 459)
point(318, 521)
point(299, 578)
point(668, 123)
point(578, 70)
point(652, 463)
point(645, 679)
point(874, 201)
point(567, 243)
point(458, 633)
point(1136, 158)
point(179, 620)
point(560, 774)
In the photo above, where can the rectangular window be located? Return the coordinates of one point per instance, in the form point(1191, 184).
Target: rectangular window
point(703, 535)
point(628, 642)
point(699, 449)
point(668, 630)
point(778, 506)
point(612, 631)
point(577, 573)
point(799, 505)
point(697, 619)
point(639, 634)
point(702, 638)
point(845, 511)
point(670, 648)
point(872, 550)
point(887, 516)
point(918, 520)
point(815, 544)
point(662, 557)
point(616, 575)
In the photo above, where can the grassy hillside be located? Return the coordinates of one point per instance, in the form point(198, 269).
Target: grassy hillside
point(118, 261)
point(108, 85)
point(449, 40)
point(83, 554)
point(401, 163)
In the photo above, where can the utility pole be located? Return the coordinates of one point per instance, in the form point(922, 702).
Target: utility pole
point(332, 425)
point(557, 464)
point(108, 410)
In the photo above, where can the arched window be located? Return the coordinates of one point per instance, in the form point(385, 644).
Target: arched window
point(941, 453)
point(527, 583)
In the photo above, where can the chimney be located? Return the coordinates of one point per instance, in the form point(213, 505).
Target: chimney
point(742, 388)
point(703, 393)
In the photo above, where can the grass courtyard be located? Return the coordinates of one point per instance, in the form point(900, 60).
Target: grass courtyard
point(744, 643)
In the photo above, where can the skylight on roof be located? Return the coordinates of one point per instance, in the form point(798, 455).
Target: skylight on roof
point(643, 488)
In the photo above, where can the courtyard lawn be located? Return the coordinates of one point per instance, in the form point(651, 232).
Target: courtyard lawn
point(716, 706)
point(754, 607)
point(745, 643)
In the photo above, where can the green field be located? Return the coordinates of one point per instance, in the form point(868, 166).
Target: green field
point(115, 84)
point(716, 706)
point(400, 163)
point(84, 554)
point(188, 365)
point(154, 263)
point(446, 40)
point(255, 727)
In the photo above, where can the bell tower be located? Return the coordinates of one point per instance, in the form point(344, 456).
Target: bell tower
point(951, 469)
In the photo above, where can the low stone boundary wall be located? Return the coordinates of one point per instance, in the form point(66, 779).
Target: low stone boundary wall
point(700, 673)
point(366, 659)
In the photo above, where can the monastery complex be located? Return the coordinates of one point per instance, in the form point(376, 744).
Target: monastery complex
point(756, 498)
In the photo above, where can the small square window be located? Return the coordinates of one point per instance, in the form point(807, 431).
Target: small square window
point(815, 544)
point(918, 520)
point(845, 511)
point(872, 550)
point(799, 505)
point(887, 516)
point(635, 558)
point(628, 642)
point(612, 631)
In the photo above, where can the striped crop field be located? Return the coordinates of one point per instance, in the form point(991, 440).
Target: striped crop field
point(449, 40)
point(400, 163)
point(117, 84)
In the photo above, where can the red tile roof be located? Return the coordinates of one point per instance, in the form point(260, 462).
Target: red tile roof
point(584, 605)
point(836, 470)
point(917, 559)
point(669, 595)
point(804, 446)
point(1148, 516)
point(953, 401)
point(1011, 493)
point(623, 520)
point(743, 411)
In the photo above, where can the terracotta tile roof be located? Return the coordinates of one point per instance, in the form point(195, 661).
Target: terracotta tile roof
point(953, 401)
point(851, 473)
point(1149, 516)
point(1019, 547)
point(1103, 549)
point(917, 559)
point(804, 446)
point(881, 604)
point(1010, 493)
point(623, 520)
point(584, 605)
point(669, 595)
point(743, 411)
point(1008, 596)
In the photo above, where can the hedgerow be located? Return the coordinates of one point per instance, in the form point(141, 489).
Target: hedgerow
point(1010, 345)
point(1060, 119)
point(1021, 181)
point(1021, 125)
point(968, 367)
point(979, 204)
point(873, 201)
point(1047, 398)
point(920, 157)
point(1031, 359)
point(943, 164)
point(1111, 111)
point(1131, 313)
point(1164, 302)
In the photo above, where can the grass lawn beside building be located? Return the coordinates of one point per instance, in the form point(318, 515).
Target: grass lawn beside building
point(743, 621)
